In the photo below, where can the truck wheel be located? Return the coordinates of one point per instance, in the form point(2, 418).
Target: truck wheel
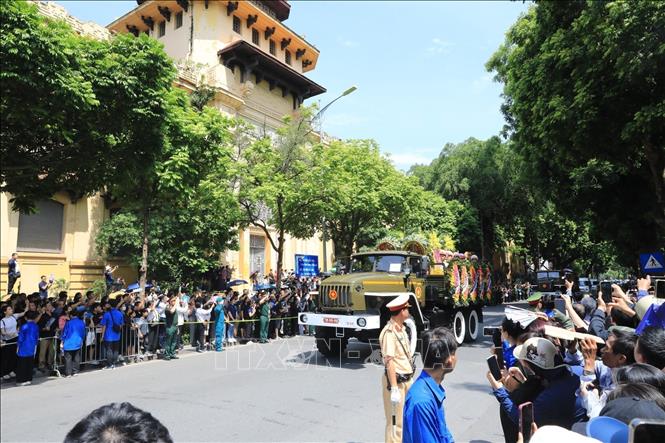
point(331, 346)
point(459, 327)
point(472, 326)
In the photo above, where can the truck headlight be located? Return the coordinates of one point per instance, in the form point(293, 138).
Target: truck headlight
point(362, 322)
point(303, 318)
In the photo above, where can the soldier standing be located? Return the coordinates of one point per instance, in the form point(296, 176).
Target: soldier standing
point(398, 360)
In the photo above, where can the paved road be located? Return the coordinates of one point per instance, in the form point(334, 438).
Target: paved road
point(290, 393)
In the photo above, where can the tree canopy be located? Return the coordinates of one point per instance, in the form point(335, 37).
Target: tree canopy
point(584, 89)
point(75, 111)
point(184, 200)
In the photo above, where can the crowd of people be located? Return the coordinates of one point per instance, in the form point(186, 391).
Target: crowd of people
point(610, 375)
point(42, 334)
point(581, 375)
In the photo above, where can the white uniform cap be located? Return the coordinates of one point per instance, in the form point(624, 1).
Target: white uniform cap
point(399, 302)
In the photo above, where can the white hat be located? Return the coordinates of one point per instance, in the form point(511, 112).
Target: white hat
point(556, 434)
point(398, 303)
point(539, 351)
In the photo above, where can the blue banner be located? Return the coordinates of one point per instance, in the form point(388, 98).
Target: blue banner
point(307, 265)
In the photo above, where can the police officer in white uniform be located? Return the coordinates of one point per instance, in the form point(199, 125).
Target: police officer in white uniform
point(398, 360)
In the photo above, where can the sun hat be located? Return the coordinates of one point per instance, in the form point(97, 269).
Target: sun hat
point(539, 351)
point(607, 430)
point(644, 303)
point(548, 434)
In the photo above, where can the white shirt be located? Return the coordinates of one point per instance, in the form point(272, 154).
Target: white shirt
point(203, 314)
point(161, 310)
point(8, 325)
point(181, 314)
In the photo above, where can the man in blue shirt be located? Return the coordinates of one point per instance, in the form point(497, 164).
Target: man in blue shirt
point(73, 338)
point(424, 419)
point(28, 338)
point(112, 323)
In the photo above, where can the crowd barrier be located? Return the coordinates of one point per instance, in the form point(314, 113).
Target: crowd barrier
point(136, 343)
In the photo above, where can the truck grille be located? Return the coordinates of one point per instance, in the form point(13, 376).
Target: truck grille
point(342, 299)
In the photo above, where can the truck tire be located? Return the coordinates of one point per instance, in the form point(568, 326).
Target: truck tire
point(459, 327)
point(472, 326)
point(329, 345)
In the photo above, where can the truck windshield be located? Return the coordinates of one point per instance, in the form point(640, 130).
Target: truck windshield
point(377, 263)
point(544, 275)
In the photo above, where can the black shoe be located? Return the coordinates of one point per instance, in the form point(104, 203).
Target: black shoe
point(167, 358)
point(175, 357)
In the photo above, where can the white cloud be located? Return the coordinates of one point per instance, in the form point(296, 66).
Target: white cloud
point(409, 157)
point(347, 42)
point(439, 46)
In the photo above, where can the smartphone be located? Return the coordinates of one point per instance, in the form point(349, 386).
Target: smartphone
point(606, 289)
point(498, 352)
point(646, 431)
point(526, 419)
point(493, 364)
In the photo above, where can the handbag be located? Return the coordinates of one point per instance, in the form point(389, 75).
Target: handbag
point(90, 337)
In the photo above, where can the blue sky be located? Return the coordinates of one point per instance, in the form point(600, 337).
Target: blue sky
point(419, 67)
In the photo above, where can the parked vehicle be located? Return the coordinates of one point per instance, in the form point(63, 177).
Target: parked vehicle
point(585, 285)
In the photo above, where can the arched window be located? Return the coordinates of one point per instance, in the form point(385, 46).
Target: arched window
point(41, 231)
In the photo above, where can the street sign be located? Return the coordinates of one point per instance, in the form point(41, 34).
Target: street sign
point(653, 263)
point(307, 265)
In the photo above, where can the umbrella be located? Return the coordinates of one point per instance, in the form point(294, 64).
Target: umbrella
point(237, 282)
point(135, 286)
point(116, 294)
point(263, 286)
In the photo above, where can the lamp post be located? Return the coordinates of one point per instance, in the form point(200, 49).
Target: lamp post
point(317, 118)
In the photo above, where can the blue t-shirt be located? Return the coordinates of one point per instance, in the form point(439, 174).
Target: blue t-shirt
point(424, 420)
point(28, 339)
point(109, 318)
point(73, 334)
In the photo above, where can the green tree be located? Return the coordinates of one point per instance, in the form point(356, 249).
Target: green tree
point(360, 196)
point(271, 176)
point(183, 201)
point(75, 112)
point(475, 173)
point(585, 105)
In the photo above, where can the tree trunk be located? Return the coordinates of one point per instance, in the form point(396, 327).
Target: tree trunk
point(656, 166)
point(144, 256)
point(280, 259)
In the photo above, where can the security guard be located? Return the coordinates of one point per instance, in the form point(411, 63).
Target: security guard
point(399, 364)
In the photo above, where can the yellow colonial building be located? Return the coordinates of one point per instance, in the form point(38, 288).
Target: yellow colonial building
point(256, 66)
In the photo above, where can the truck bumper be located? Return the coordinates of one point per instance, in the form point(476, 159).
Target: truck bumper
point(357, 322)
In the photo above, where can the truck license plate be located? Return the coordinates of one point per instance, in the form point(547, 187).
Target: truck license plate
point(330, 320)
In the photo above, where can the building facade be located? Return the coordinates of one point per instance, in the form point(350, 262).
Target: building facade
point(255, 64)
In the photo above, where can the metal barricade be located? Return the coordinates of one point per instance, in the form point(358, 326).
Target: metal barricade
point(93, 350)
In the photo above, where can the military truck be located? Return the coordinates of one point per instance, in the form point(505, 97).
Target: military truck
point(354, 305)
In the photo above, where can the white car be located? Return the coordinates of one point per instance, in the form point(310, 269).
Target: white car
point(585, 284)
